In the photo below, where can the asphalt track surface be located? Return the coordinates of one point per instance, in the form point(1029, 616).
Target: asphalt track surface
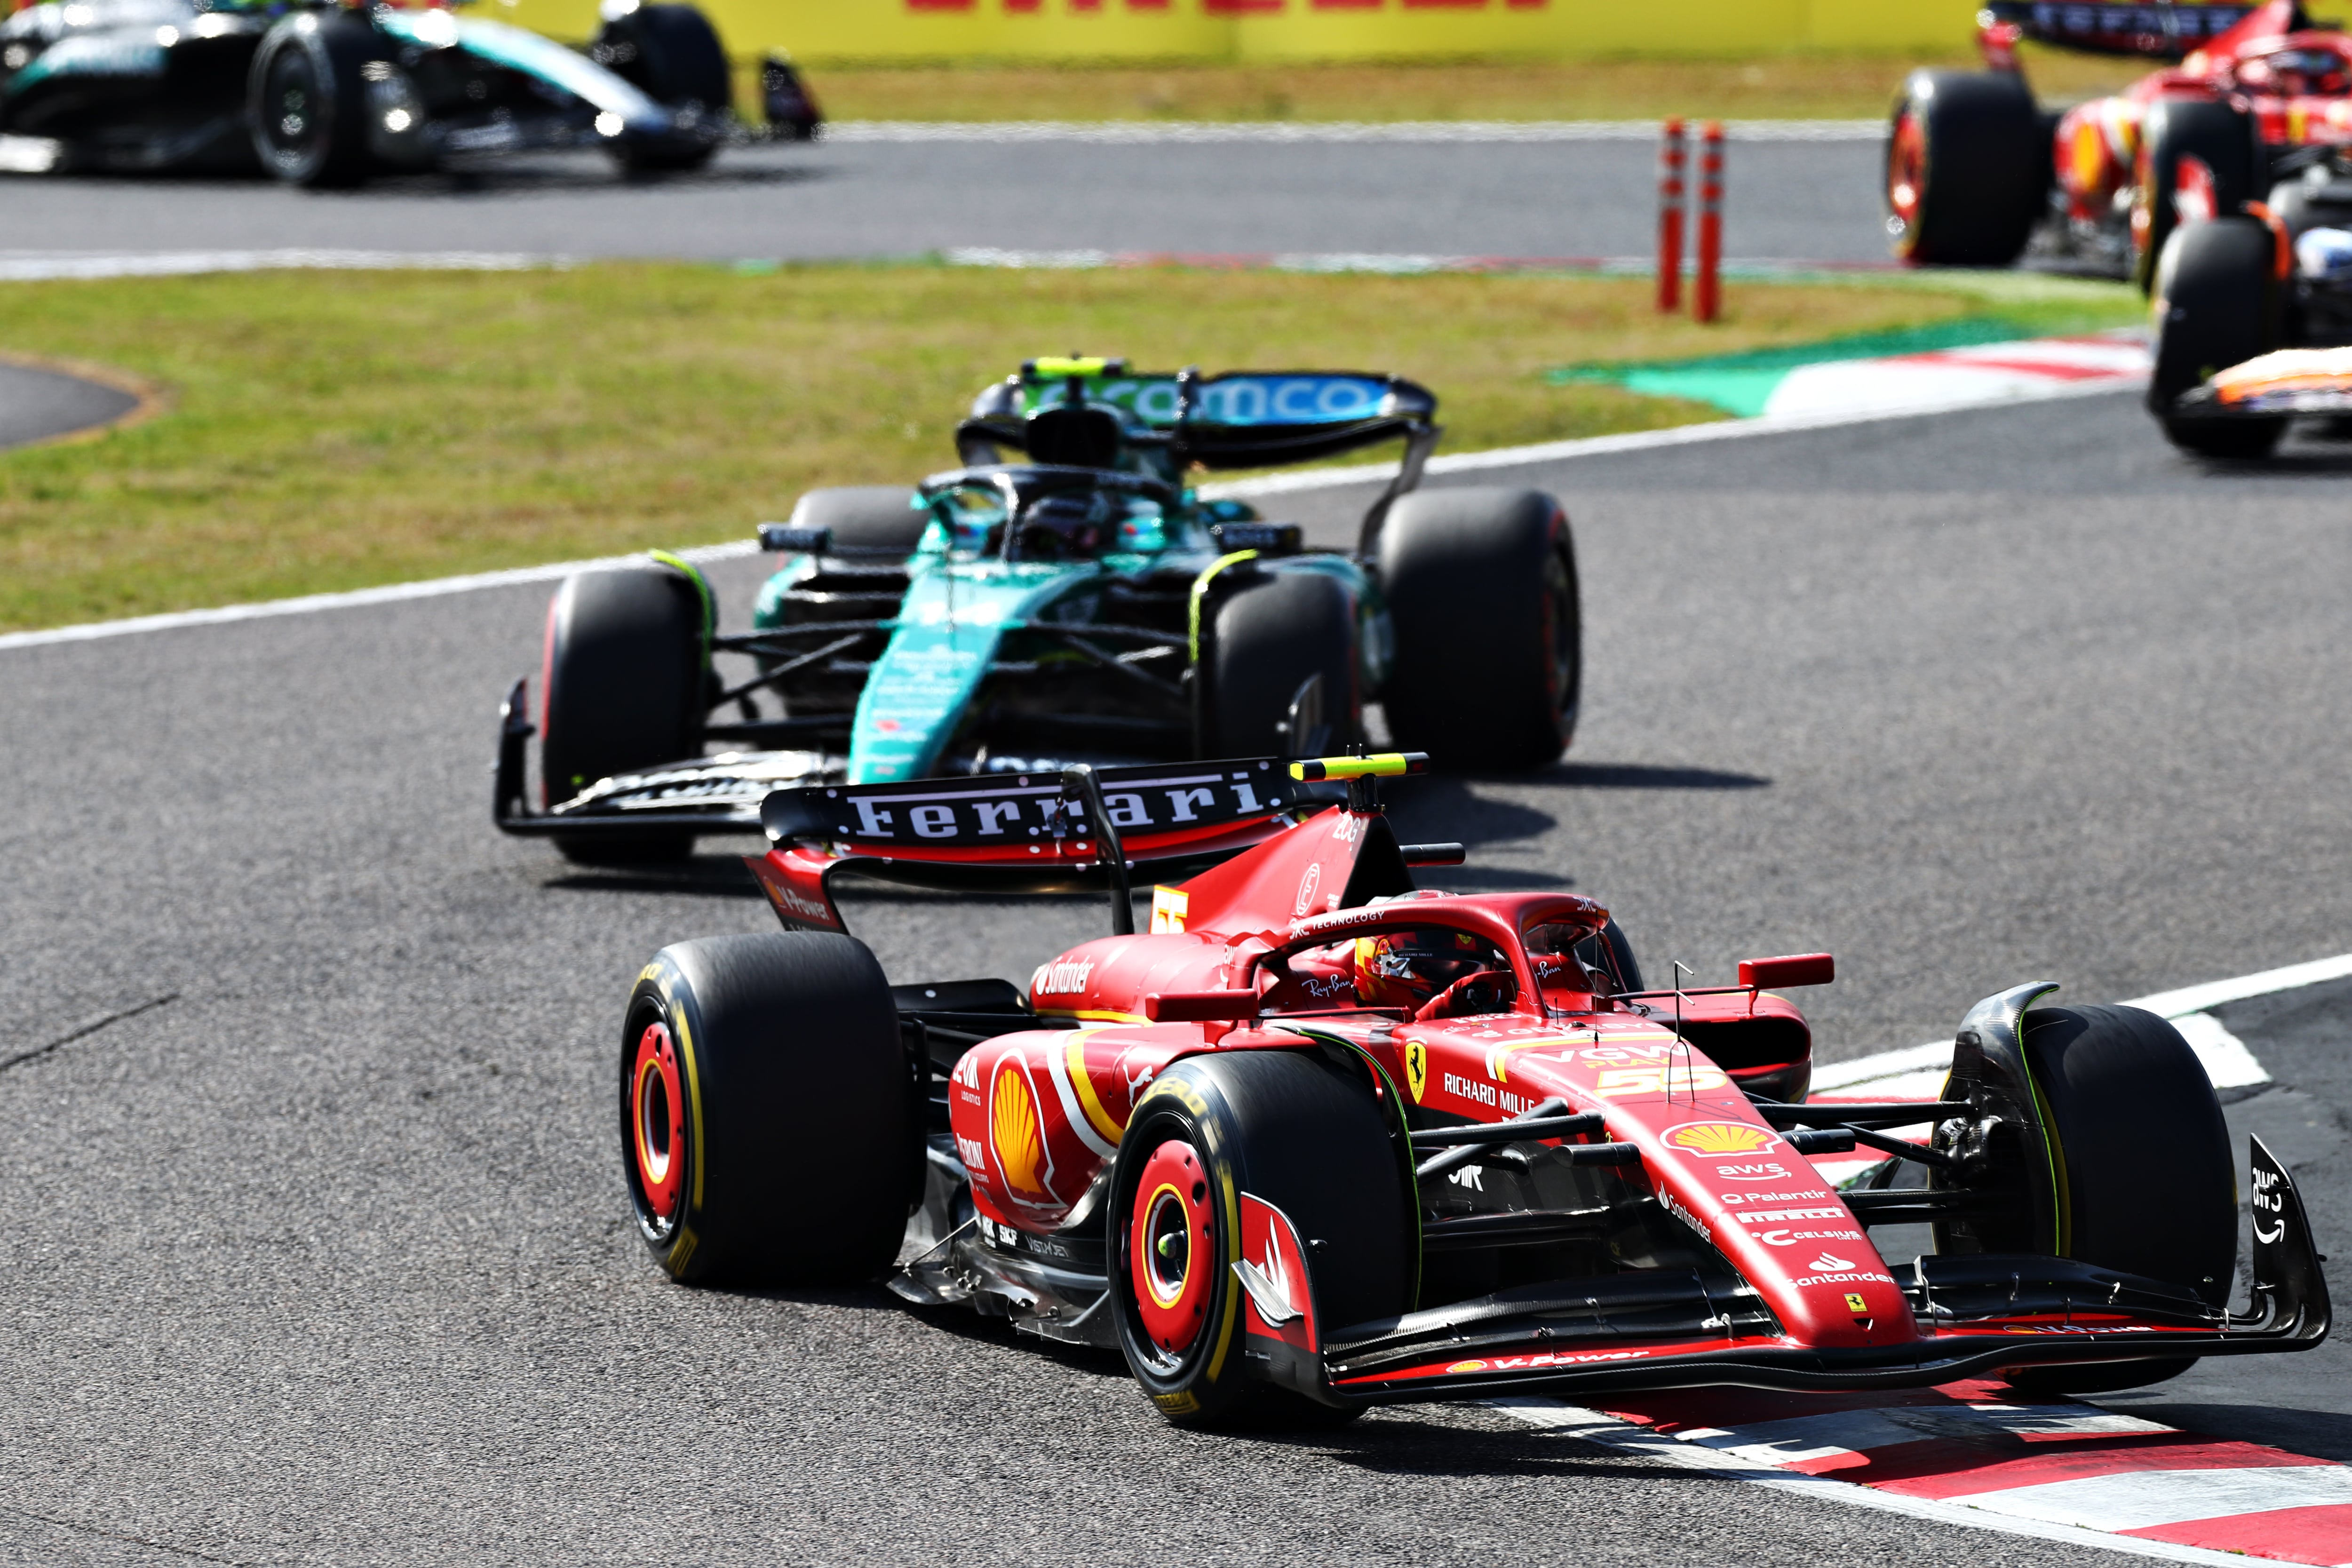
point(1807, 201)
point(38, 405)
point(317, 1251)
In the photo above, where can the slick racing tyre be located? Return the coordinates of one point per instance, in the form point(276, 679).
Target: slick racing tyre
point(1968, 168)
point(2141, 1156)
point(865, 517)
point(672, 53)
point(1489, 643)
point(1266, 641)
point(2225, 140)
point(2217, 305)
point(622, 688)
point(1288, 1128)
point(768, 1130)
point(306, 99)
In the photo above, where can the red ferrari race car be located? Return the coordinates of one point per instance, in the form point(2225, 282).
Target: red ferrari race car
point(1320, 1139)
point(1974, 167)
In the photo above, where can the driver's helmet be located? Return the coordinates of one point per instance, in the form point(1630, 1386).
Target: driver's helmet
point(2297, 73)
point(1406, 968)
point(1065, 528)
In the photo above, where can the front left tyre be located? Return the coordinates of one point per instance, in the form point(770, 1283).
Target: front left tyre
point(2216, 305)
point(673, 54)
point(306, 99)
point(621, 690)
point(767, 1118)
point(1297, 1131)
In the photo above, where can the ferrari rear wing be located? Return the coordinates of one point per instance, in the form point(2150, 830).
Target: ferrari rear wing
point(2156, 32)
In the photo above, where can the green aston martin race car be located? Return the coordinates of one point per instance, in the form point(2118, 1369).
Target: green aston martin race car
point(1083, 604)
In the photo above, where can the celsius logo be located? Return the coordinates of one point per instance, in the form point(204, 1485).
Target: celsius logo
point(1306, 886)
point(1061, 979)
point(1829, 1263)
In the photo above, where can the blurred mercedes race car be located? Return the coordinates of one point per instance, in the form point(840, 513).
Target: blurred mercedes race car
point(1322, 1140)
point(1084, 604)
point(2257, 98)
point(323, 95)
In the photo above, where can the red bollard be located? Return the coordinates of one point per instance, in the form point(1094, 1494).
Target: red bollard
point(1707, 292)
point(1670, 218)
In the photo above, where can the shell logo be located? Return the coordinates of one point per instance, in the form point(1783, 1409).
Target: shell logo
point(1015, 1134)
point(1468, 1367)
point(1718, 1138)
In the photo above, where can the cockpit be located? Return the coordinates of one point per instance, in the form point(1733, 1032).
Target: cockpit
point(2303, 70)
point(1016, 513)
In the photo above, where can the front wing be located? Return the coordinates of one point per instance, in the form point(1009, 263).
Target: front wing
point(2288, 382)
point(1977, 1314)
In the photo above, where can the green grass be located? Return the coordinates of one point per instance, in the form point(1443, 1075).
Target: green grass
point(337, 430)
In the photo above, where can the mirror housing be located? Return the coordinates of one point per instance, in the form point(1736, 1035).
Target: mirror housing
point(1779, 973)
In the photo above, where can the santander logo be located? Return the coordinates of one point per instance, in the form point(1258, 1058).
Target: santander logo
point(1830, 1263)
point(1062, 978)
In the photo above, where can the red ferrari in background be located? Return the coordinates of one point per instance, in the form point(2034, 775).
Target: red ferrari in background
point(2254, 99)
point(1321, 1139)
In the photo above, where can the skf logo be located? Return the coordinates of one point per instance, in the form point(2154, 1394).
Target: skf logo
point(1416, 1068)
point(1064, 978)
point(1718, 1138)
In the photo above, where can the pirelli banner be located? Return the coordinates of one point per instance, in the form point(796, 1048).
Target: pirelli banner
point(842, 32)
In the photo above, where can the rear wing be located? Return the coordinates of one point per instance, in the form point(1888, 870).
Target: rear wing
point(2156, 31)
point(1083, 829)
point(1242, 419)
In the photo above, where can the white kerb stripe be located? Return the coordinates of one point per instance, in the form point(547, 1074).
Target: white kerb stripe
point(2226, 1059)
point(2144, 1499)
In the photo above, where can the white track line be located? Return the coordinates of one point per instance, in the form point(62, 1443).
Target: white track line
point(2218, 1049)
point(1272, 484)
point(37, 266)
point(1151, 132)
point(1558, 1415)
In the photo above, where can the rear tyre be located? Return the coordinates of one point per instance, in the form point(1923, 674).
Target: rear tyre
point(1288, 1128)
point(1266, 641)
point(2217, 305)
point(865, 517)
point(1968, 168)
point(2226, 141)
point(1489, 650)
point(674, 55)
point(621, 690)
point(2147, 1184)
point(767, 1129)
point(306, 99)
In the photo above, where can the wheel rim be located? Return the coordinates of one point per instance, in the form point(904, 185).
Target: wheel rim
point(1906, 178)
point(1171, 1252)
point(657, 1121)
point(293, 110)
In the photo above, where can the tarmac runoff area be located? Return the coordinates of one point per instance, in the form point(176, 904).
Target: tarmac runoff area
point(38, 402)
point(318, 1253)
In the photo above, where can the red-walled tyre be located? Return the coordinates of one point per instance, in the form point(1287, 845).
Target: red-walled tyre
point(767, 1117)
point(1293, 1130)
point(1968, 168)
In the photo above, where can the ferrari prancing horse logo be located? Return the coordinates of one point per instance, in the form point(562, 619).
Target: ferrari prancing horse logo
point(1416, 1068)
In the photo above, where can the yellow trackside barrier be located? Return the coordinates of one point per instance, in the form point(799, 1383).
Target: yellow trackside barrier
point(1229, 32)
